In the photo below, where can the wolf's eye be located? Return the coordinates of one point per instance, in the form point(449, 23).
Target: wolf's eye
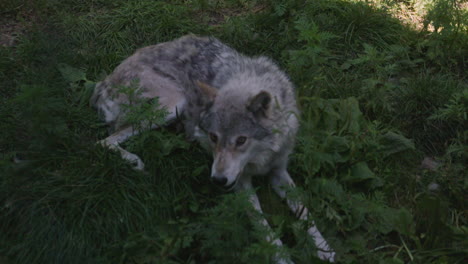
point(240, 141)
point(213, 137)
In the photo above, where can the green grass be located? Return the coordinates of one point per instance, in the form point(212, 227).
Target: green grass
point(377, 96)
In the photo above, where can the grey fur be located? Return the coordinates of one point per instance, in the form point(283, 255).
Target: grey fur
point(241, 108)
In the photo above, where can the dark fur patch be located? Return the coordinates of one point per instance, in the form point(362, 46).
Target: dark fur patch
point(163, 73)
point(259, 104)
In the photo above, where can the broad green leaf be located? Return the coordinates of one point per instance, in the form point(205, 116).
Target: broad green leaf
point(70, 73)
point(394, 143)
point(359, 172)
point(351, 114)
point(404, 222)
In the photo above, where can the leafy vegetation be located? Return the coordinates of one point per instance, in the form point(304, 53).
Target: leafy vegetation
point(381, 156)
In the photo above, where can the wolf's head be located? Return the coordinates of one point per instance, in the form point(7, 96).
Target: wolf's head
point(235, 126)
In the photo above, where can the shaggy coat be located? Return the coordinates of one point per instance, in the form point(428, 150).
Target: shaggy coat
point(242, 109)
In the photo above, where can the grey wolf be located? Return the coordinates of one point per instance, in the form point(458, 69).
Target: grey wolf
point(242, 109)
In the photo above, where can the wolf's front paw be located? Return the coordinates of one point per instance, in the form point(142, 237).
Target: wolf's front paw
point(134, 160)
point(284, 261)
point(326, 255)
point(324, 251)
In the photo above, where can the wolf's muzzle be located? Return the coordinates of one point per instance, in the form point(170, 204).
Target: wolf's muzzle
point(219, 179)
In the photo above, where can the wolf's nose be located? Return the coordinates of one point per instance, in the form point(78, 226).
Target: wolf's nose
point(219, 180)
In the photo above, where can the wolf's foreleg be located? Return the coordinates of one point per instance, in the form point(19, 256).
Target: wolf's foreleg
point(118, 137)
point(281, 180)
point(253, 199)
point(122, 135)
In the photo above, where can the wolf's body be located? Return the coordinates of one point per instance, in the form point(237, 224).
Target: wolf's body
point(243, 109)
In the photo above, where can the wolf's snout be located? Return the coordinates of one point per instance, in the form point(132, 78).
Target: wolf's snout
point(219, 179)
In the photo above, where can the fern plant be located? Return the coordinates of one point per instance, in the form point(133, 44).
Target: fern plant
point(140, 112)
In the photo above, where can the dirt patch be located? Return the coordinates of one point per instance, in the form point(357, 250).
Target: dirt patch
point(15, 23)
point(10, 30)
point(216, 17)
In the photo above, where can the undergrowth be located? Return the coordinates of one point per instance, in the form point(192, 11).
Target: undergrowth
point(380, 159)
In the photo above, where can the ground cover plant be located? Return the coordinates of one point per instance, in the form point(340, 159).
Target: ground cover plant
point(381, 157)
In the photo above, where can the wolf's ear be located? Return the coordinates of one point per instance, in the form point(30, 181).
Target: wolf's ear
point(259, 104)
point(206, 90)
